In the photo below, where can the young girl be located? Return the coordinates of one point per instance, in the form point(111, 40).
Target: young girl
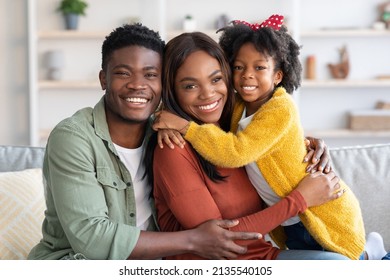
point(268, 137)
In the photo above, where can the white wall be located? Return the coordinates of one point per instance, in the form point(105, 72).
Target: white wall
point(13, 73)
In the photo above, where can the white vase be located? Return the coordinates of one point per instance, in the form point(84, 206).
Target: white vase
point(54, 61)
point(189, 25)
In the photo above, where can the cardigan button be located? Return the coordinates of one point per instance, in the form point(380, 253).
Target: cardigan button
point(132, 215)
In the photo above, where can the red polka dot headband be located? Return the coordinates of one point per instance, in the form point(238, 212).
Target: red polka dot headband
point(274, 21)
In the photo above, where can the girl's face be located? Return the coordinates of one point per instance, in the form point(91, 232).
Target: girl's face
point(254, 77)
point(200, 89)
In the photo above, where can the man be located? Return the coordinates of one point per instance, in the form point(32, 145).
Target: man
point(99, 204)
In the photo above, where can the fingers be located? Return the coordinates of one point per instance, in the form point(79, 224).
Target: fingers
point(168, 136)
point(241, 235)
point(339, 193)
point(227, 223)
point(308, 156)
point(238, 235)
point(177, 138)
point(159, 140)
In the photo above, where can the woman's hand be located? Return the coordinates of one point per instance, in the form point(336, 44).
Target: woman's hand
point(318, 188)
point(318, 156)
point(168, 136)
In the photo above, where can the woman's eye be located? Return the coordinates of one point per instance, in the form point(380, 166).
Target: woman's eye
point(191, 86)
point(216, 80)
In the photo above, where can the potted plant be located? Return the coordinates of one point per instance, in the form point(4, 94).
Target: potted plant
point(72, 9)
point(189, 23)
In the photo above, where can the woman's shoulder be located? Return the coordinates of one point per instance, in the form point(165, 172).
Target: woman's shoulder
point(167, 153)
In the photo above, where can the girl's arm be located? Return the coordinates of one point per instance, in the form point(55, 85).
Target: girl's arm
point(227, 149)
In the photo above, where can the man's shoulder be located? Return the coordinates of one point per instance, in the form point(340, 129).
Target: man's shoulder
point(79, 119)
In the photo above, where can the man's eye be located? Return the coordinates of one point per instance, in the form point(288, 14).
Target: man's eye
point(122, 73)
point(151, 75)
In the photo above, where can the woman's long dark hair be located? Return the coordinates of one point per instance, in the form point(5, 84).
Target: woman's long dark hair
point(176, 52)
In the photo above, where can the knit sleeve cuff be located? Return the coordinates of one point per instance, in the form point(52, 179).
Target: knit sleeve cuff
point(296, 196)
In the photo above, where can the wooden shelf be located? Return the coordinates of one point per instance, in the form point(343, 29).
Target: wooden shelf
point(68, 84)
point(345, 83)
point(345, 33)
point(72, 34)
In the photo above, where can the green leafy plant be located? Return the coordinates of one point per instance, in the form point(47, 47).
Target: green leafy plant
point(72, 7)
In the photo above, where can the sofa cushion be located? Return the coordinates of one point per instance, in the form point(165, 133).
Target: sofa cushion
point(21, 212)
point(366, 170)
point(16, 158)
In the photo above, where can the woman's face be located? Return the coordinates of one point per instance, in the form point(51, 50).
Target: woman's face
point(200, 89)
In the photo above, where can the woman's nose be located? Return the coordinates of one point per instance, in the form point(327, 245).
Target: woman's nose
point(208, 92)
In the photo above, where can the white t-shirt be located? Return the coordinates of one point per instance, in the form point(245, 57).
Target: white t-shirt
point(257, 179)
point(132, 160)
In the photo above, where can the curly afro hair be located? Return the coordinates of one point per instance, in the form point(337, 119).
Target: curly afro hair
point(277, 44)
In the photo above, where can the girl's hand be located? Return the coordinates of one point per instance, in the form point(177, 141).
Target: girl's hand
point(169, 135)
point(165, 119)
point(318, 188)
point(318, 155)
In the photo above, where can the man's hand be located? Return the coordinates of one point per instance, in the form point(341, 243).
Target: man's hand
point(213, 240)
point(318, 156)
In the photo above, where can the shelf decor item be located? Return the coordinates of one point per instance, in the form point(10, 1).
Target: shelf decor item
point(340, 70)
point(72, 10)
point(54, 62)
point(189, 23)
point(311, 67)
point(384, 10)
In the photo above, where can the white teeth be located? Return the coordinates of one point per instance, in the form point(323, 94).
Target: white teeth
point(209, 107)
point(249, 87)
point(136, 100)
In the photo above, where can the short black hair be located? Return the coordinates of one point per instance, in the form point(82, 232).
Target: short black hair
point(276, 43)
point(131, 35)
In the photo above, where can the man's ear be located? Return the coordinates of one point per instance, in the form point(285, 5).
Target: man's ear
point(102, 79)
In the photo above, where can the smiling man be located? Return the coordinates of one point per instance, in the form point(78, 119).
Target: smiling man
point(99, 204)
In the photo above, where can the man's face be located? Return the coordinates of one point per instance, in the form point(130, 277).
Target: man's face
point(133, 84)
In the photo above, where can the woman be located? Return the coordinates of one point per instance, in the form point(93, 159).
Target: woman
point(188, 190)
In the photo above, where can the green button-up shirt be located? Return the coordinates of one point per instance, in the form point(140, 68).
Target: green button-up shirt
point(89, 193)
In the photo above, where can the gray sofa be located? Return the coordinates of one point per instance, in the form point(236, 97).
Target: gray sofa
point(364, 168)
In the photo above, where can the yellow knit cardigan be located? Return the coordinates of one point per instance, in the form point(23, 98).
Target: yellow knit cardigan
point(275, 140)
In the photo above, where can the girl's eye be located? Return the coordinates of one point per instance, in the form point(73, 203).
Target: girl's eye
point(260, 68)
point(237, 67)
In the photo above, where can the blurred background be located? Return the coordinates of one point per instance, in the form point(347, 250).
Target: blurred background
point(47, 72)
